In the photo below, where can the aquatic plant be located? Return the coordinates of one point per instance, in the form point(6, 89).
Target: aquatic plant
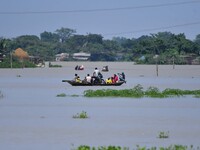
point(54, 66)
point(74, 95)
point(154, 92)
point(138, 92)
point(163, 135)
point(61, 95)
point(86, 147)
point(171, 147)
point(82, 115)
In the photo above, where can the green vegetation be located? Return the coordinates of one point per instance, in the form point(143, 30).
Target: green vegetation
point(61, 95)
point(163, 135)
point(16, 64)
point(138, 92)
point(171, 147)
point(171, 48)
point(54, 66)
point(82, 115)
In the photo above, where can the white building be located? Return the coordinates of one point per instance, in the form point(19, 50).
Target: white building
point(62, 56)
point(81, 56)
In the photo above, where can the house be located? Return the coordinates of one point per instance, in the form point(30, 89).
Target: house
point(81, 56)
point(62, 56)
point(21, 54)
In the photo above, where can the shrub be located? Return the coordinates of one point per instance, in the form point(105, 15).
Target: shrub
point(163, 135)
point(61, 95)
point(82, 115)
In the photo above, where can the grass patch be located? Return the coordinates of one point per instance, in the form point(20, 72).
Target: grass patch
point(61, 95)
point(54, 66)
point(171, 147)
point(82, 115)
point(163, 135)
point(74, 95)
point(138, 92)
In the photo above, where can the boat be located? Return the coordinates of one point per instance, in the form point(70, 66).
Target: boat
point(105, 69)
point(79, 67)
point(73, 83)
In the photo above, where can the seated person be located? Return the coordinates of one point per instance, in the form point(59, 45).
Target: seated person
point(121, 77)
point(75, 77)
point(115, 78)
point(108, 81)
point(78, 80)
point(88, 78)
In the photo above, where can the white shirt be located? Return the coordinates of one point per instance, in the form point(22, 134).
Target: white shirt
point(96, 72)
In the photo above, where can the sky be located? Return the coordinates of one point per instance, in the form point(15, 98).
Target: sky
point(110, 18)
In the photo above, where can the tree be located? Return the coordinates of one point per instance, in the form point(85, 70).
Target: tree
point(49, 37)
point(197, 39)
point(65, 33)
point(95, 38)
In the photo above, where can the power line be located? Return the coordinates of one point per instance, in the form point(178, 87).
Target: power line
point(153, 29)
point(98, 10)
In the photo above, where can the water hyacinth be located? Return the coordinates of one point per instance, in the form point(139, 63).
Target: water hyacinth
point(82, 115)
point(138, 92)
point(171, 147)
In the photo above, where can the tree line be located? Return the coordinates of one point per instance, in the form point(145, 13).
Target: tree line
point(166, 45)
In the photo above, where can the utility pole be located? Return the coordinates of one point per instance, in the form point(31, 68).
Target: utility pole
point(11, 59)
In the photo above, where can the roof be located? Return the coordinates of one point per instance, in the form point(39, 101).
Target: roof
point(81, 54)
point(20, 53)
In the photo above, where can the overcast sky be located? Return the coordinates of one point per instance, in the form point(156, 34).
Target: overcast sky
point(110, 18)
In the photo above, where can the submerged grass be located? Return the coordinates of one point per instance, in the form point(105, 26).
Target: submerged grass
point(171, 147)
point(61, 95)
point(82, 115)
point(138, 92)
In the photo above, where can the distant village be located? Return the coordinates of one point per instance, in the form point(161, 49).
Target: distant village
point(81, 56)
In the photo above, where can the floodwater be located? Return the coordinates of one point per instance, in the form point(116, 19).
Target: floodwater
point(33, 118)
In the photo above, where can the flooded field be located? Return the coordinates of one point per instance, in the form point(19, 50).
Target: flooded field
point(32, 117)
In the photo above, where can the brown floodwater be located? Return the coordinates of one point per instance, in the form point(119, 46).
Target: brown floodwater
point(32, 117)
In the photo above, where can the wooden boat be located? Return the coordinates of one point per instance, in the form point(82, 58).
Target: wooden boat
point(73, 83)
point(105, 69)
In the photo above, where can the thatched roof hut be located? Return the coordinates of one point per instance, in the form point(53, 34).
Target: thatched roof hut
point(21, 54)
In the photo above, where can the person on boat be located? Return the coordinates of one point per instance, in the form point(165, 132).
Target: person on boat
point(96, 76)
point(112, 79)
point(78, 80)
point(81, 67)
point(115, 78)
point(122, 77)
point(75, 77)
point(108, 81)
point(105, 68)
point(96, 72)
point(88, 78)
point(76, 68)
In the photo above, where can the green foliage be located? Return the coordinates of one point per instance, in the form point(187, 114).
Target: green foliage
point(16, 64)
point(171, 147)
point(154, 92)
point(82, 115)
point(61, 95)
point(138, 92)
point(163, 135)
point(86, 147)
point(54, 66)
point(165, 44)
